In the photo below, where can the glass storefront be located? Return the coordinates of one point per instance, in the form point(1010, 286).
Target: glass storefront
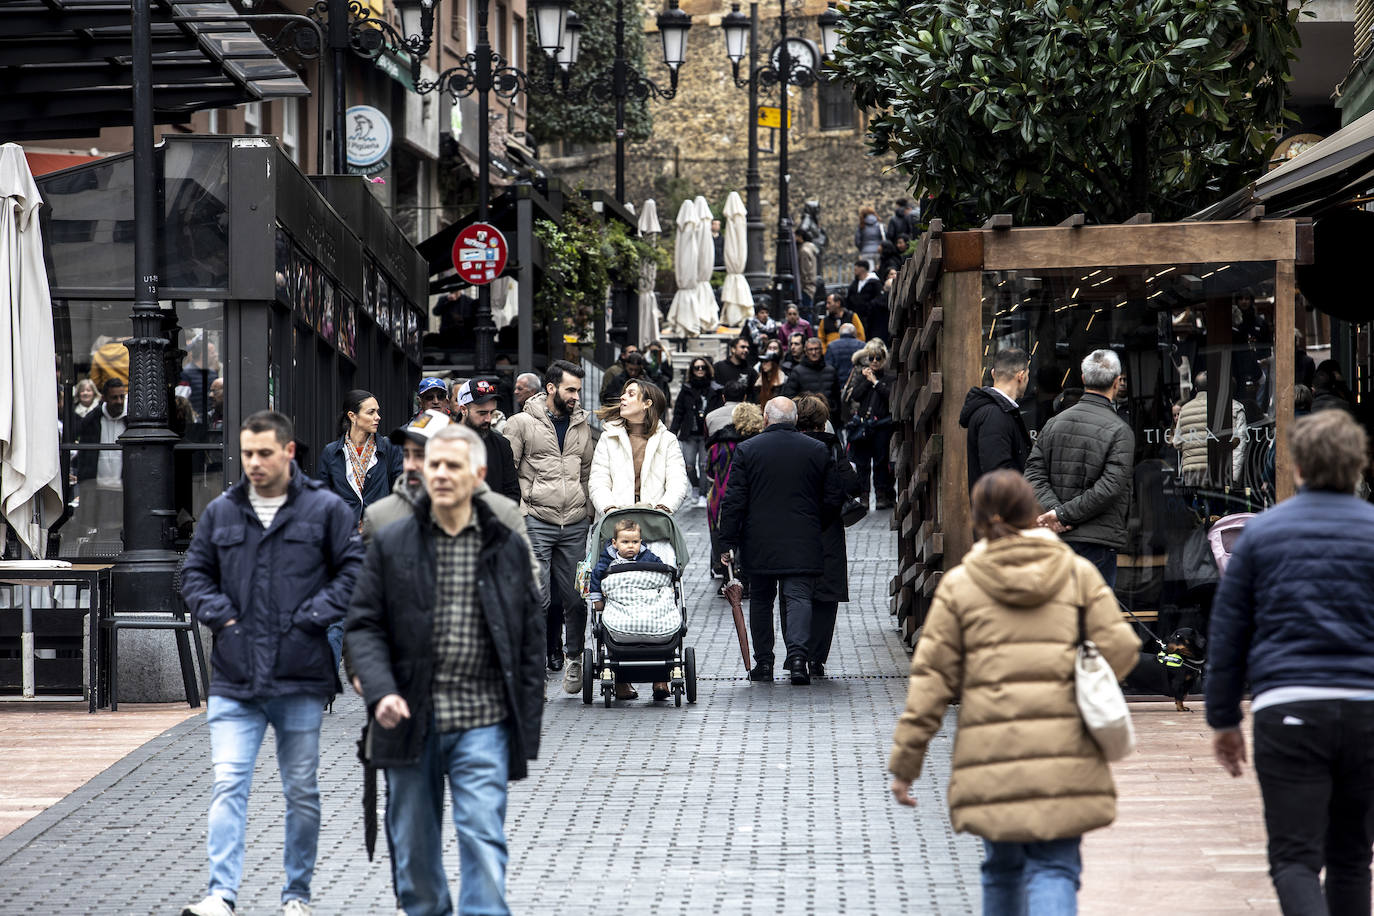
point(1196, 343)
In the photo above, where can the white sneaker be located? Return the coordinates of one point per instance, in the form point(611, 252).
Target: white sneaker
point(701, 502)
point(213, 905)
point(295, 908)
point(572, 675)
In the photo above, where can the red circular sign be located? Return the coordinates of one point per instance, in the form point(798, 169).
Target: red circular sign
point(479, 253)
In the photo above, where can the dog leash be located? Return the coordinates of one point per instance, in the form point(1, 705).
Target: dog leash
point(1194, 664)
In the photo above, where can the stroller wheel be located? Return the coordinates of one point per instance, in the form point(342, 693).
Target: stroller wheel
point(588, 676)
point(677, 696)
point(690, 665)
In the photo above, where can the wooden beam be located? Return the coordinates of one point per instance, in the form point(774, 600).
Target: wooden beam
point(932, 327)
point(929, 399)
point(1073, 221)
point(930, 458)
point(1116, 246)
point(964, 250)
point(998, 222)
point(1255, 212)
point(1140, 219)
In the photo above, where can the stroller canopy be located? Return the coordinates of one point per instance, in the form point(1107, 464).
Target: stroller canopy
point(654, 525)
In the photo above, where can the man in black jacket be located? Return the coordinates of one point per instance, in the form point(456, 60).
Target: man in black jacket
point(477, 401)
point(271, 566)
point(997, 434)
point(774, 518)
point(814, 375)
point(736, 366)
point(865, 295)
point(446, 634)
point(1081, 466)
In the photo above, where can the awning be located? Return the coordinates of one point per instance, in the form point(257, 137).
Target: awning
point(1326, 175)
point(66, 66)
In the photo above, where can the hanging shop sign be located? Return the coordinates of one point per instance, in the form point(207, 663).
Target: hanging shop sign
point(479, 253)
point(369, 139)
point(772, 117)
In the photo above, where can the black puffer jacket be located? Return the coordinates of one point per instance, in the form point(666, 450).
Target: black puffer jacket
point(690, 410)
point(833, 583)
point(997, 435)
point(283, 587)
point(814, 377)
point(390, 622)
point(1080, 467)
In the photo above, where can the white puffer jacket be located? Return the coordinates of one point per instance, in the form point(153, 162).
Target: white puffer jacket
point(662, 477)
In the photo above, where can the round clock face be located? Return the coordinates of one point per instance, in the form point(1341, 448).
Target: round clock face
point(802, 53)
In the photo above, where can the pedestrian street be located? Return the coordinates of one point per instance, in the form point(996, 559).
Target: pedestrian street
point(756, 800)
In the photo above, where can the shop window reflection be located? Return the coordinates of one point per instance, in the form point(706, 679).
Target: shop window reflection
point(1197, 349)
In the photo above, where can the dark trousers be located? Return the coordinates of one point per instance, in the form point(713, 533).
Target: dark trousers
point(553, 625)
point(1315, 762)
point(1101, 556)
point(796, 630)
point(871, 456)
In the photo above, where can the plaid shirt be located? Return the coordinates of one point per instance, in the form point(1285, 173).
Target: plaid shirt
point(467, 689)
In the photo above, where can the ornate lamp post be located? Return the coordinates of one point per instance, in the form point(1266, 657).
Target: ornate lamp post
point(793, 61)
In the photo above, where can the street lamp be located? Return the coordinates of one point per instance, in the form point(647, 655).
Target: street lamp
point(792, 62)
point(619, 83)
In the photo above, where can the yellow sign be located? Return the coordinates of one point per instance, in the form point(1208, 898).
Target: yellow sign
point(772, 117)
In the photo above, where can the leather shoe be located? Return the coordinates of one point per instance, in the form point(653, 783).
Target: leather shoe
point(797, 666)
point(816, 669)
point(762, 672)
point(555, 661)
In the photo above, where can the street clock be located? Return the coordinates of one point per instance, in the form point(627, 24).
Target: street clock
point(803, 53)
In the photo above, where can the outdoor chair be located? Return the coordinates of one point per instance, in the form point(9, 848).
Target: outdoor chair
point(179, 622)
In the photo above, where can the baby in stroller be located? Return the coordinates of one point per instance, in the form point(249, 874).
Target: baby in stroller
point(626, 546)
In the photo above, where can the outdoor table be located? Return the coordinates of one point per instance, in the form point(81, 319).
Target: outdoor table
point(93, 577)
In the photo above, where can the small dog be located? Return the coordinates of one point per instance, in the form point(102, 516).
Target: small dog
point(1174, 671)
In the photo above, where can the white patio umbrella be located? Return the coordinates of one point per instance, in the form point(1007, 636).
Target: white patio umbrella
point(648, 276)
point(30, 468)
point(708, 313)
point(30, 475)
point(736, 300)
point(683, 315)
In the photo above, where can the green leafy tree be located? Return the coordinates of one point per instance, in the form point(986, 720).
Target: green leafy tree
point(1043, 108)
point(588, 117)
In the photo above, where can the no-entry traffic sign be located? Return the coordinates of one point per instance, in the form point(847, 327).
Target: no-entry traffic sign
point(479, 253)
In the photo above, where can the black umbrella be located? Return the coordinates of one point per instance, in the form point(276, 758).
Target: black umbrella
point(369, 796)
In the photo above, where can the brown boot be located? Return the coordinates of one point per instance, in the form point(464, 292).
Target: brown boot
point(626, 692)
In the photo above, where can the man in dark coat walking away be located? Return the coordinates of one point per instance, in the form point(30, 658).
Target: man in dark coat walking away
point(781, 484)
point(997, 435)
point(477, 401)
point(1081, 466)
point(271, 566)
point(446, 634)
point(1294, 620)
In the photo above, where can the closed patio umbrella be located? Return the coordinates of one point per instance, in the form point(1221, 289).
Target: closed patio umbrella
point(30, 475)
point(648, 276)
point(736, 300)
point(683, 314)
point(708, 313)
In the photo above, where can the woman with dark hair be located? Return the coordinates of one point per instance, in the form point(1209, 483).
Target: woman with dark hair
point(771, 378)
point(637, 462)
point(1002, 634)
point(360, 466)
point(698, 397)
point(832, 586)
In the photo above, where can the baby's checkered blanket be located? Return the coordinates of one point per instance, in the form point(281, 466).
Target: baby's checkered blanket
point(640, 604)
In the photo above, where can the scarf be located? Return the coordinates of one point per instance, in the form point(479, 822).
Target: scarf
point(359, 460)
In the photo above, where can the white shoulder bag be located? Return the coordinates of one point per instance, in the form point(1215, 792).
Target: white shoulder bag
point(1100, 701)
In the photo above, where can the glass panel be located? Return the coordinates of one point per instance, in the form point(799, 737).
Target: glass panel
point(1191, 338)
point(282, 273)
point(348, 329)
point(195, 236)
point(200, 389)
point(327, 329)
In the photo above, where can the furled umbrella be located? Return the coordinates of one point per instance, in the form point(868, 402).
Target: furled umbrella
point(733, 590)
point(369, 792)
point(708, 312)
point(30, 469)
point(683, 313)
point(648, 275)
point(736, 299)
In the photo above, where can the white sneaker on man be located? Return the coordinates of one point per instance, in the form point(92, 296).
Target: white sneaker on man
point(213, 905)
point(701, 502)
point(295, 908)
point(572, 675)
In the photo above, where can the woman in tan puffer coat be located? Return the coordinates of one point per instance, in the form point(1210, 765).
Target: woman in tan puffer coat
point(1001, 637)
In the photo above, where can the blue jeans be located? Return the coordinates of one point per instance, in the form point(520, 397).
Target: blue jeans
point(1031, 879)
point(476, 763)
point(236, 732)
point(1101, 556)
point(335, 633)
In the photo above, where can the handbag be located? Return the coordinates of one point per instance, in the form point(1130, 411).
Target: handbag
point(1100, 701)
point(853, 511)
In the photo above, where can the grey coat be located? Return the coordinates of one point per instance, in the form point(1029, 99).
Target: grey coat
point(1080, 467)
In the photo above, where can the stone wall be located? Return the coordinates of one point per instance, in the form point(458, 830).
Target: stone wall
point(700, 139)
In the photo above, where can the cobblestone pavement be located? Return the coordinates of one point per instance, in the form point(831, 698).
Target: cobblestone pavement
point(757, 800)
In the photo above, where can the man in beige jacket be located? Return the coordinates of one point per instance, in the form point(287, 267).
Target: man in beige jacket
point(552, 445)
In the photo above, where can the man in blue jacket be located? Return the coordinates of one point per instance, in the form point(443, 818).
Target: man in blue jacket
point(1294, 616)
point(271, 566)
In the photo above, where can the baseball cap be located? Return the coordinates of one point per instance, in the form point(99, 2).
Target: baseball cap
point(768, 357)
point(421, 428)
point(429, 384)
point(476, 391)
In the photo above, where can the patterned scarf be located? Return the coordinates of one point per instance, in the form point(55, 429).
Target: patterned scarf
point(359, 460)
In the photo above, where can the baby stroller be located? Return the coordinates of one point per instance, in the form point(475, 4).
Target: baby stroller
point(637, 637)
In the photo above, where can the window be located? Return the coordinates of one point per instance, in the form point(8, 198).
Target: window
point(291, 129)
point(517, 46)
point(472, 25)
point(497, 27)
point(455, 22)
point(252, 118)
point(836, 106)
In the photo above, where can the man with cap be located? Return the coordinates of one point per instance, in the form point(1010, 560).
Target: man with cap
point(433, 394)
point(477, 406)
